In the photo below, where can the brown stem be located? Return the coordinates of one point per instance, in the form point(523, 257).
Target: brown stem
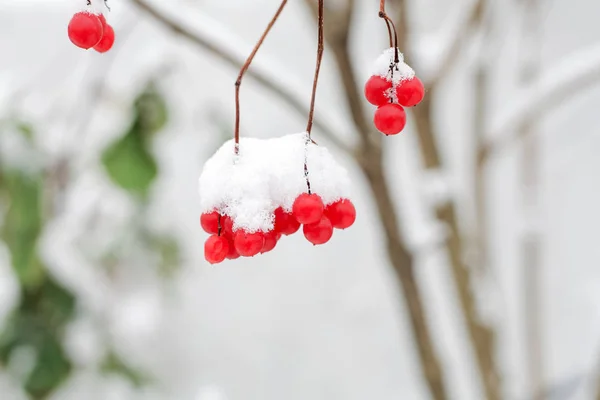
point(245, 67)
point(390, 25)
point(311, 113)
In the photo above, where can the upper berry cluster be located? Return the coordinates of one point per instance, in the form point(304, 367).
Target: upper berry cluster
point(392, 87)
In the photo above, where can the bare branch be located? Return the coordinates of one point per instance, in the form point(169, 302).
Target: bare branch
point(228, 50)
point(554, 87)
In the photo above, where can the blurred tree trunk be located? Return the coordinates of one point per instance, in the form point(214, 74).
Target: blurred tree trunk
point(370, 157)
point(482, 337)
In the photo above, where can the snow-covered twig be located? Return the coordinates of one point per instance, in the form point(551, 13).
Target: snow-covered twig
point(555, 86)
point(220, 42)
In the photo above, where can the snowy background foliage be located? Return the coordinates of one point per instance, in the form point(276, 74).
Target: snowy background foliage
point(104, 291)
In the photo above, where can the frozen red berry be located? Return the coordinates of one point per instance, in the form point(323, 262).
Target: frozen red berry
point(210, 222)
point(410, 92)
point(342, 214)
point(308, 208)
point(377, 90)
point(319, 232)
point(390, 119)
point(85, 30)
point(107, 41)
point(271, 239)
point(216, 249)
point(285, 223)
point(248, 244)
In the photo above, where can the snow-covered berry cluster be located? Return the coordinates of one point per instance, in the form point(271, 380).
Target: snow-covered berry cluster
point(392, 86)
point(89, 29)
point(249, 199)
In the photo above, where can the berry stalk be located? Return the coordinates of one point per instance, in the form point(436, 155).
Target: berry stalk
point(245, 67)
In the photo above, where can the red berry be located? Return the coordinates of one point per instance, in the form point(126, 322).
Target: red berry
point(107, 41)
point(85, 30)
point(390, 119)
point(216, 249)
point(249, 244)
point(227, 225)
point(271, 239)
point(319, 232)
point(342, 214)
point(285, 223)
point(376, 90)
point(102, 20)
point(210, 222)
point(308, 208)
point(232, 254)
point(410, 92)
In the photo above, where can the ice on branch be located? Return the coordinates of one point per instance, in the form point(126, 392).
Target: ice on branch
point(386, 67)
point(265, 175)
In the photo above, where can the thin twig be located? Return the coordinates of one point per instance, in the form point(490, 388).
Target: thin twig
point(238, 82)
point(311, 113)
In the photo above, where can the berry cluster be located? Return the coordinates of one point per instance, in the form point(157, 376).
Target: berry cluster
point(308, 210)
point(252, 199)
point(90, 30)
point(393, 86)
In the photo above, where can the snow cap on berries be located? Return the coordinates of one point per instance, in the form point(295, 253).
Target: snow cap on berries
point(386, 67)
point(265, 175)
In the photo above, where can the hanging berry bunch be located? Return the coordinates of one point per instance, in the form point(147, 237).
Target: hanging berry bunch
point(254, 192)
point(393, 85)
point(89, 29)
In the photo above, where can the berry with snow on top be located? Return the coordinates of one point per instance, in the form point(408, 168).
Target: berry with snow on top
point(410, 93)
point(261, 192)
point(308, 208)
point(377, 90)
point(285, 223)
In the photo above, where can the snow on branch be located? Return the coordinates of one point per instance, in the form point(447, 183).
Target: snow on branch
point(555, 86)
point(217, 39)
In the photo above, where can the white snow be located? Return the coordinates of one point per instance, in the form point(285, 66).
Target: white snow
point(265, 175)
point(386, 67)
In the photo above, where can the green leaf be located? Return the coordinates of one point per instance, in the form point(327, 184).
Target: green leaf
point(38, 322)
point(129, 161)
point(130, 165)
point(23, 224)
point(150, 110)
